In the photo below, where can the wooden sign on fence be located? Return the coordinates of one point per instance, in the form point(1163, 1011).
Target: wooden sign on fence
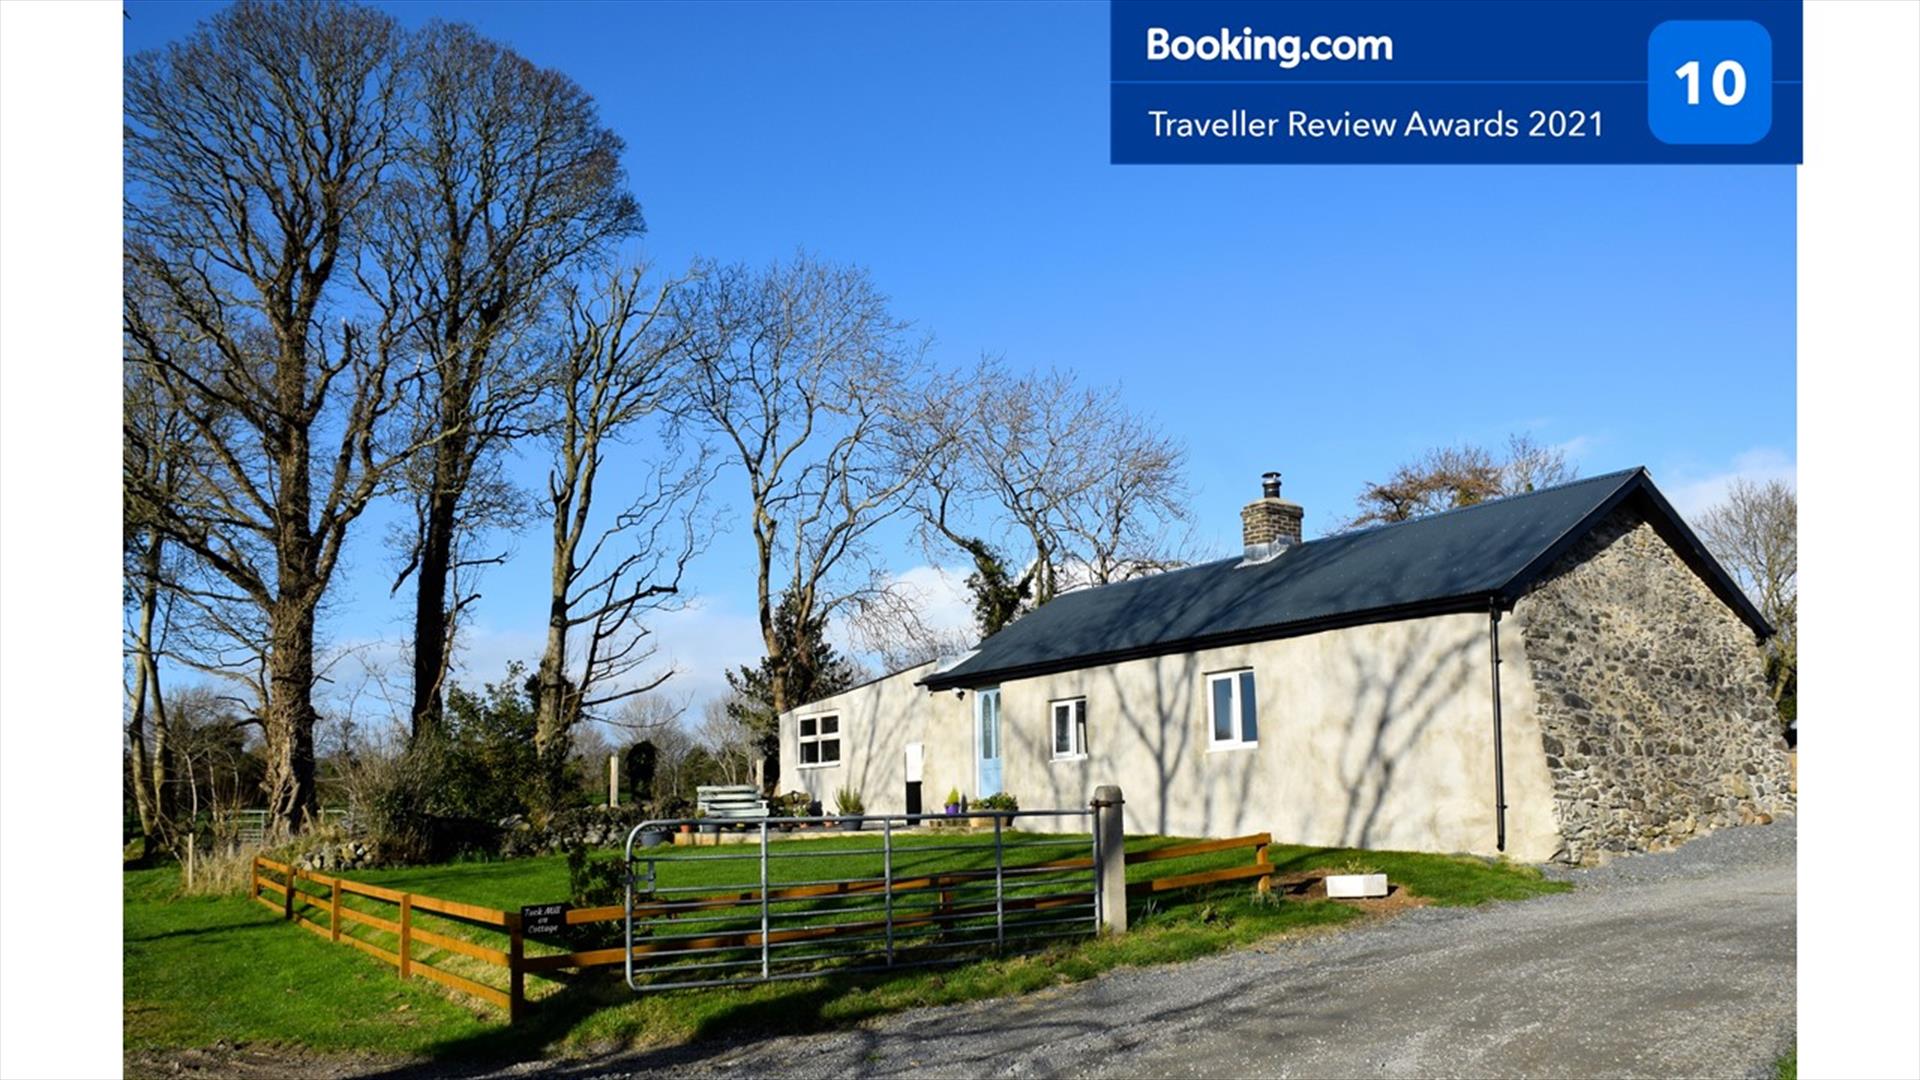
point(543, 920)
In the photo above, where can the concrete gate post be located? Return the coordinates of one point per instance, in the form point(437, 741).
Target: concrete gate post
point(1110, 838)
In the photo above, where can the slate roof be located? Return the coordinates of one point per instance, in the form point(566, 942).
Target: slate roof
point(1460, 560)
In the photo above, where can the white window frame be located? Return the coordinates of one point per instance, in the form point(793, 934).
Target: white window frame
point(820, 739)
point(1076, 728)
point(1239, 741)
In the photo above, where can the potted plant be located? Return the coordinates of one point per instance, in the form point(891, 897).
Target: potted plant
point(1000, 802)
point(953, 802)
point(705, 824)
point(849, 806)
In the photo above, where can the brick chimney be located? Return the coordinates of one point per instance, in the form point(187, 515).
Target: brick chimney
point(1269, 525)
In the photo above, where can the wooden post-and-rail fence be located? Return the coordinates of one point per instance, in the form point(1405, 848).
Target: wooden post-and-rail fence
point(270, 875)
point(403, 927)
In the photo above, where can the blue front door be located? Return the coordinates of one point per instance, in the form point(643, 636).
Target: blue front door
point(986, 711)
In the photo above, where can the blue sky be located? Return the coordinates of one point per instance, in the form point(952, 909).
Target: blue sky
point(1328, 322)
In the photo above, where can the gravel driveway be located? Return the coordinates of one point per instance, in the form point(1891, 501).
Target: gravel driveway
point(1677, 964)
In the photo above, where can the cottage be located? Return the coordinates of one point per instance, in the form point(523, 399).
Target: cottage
point(1553, 675)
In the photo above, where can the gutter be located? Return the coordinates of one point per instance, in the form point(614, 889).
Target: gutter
point(1499, 746)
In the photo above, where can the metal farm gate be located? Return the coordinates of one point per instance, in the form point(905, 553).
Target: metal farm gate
point(904, 890)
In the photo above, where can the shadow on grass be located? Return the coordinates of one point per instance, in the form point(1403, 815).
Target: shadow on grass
point(755, 1011)
point(203, 931)
point(594, 1013)
point(802, 1007)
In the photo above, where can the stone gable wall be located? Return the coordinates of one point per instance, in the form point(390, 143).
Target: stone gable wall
point(1651, 697)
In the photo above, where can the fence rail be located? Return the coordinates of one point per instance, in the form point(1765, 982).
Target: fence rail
point(908, 912)
point(334, 915)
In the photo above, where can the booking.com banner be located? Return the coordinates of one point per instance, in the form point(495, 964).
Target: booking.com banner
point(1490, 81)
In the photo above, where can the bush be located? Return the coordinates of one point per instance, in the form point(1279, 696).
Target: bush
point(457, 791)
point(1001, 801)
point(594, 882)
point(642, 763)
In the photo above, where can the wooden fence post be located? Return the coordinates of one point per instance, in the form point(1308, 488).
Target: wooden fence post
point(1263, 884)
point(406, 935)
point(287, 907)
point(516, 973)
point(253, 879)
point(333, 923)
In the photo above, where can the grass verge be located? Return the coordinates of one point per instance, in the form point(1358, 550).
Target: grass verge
point(201, 970)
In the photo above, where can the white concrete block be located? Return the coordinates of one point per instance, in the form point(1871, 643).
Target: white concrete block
point(1356, 886)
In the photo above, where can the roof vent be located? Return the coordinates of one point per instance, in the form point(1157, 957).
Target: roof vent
point(1269, 525)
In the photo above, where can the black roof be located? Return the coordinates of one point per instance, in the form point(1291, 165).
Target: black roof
point(1461, 560)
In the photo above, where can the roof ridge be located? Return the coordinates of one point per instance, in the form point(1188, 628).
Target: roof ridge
point(1483, 505)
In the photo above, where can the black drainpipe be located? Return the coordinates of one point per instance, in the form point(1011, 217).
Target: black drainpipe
point(1499, 762)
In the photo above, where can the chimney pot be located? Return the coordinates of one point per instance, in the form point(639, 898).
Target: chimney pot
point(1270, 485)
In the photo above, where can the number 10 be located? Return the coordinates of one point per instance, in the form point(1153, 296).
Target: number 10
point(1729, 81)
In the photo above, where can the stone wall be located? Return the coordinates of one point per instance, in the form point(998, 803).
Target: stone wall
point(1651, 696)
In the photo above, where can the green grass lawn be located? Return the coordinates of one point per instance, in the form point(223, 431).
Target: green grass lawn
point(203, 969)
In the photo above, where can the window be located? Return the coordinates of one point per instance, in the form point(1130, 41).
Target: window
point(819, 741)
point(1231, 711)
point(1070, 729)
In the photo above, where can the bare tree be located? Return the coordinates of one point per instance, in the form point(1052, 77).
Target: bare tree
point(661, 720)
point(216, 770)
point(617, 369)
point(252, 149)
point(152, 461)
point(1754, 532)
point(729, 738)
point(504, 180)
point(1530, 466)
point(1450, 477)
point(1044, 483)
point(811, 386)
point(1003, 466)
point(1122, 523)
point(893, 627)
point(642, 714)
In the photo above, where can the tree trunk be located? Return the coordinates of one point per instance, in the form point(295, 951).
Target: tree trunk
point(290, 715)
point(149, 766)
point(137, 753)
point(552, 714)
point(431, 614)
point(769, 633)
point(291, 796)
point(160, 765)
